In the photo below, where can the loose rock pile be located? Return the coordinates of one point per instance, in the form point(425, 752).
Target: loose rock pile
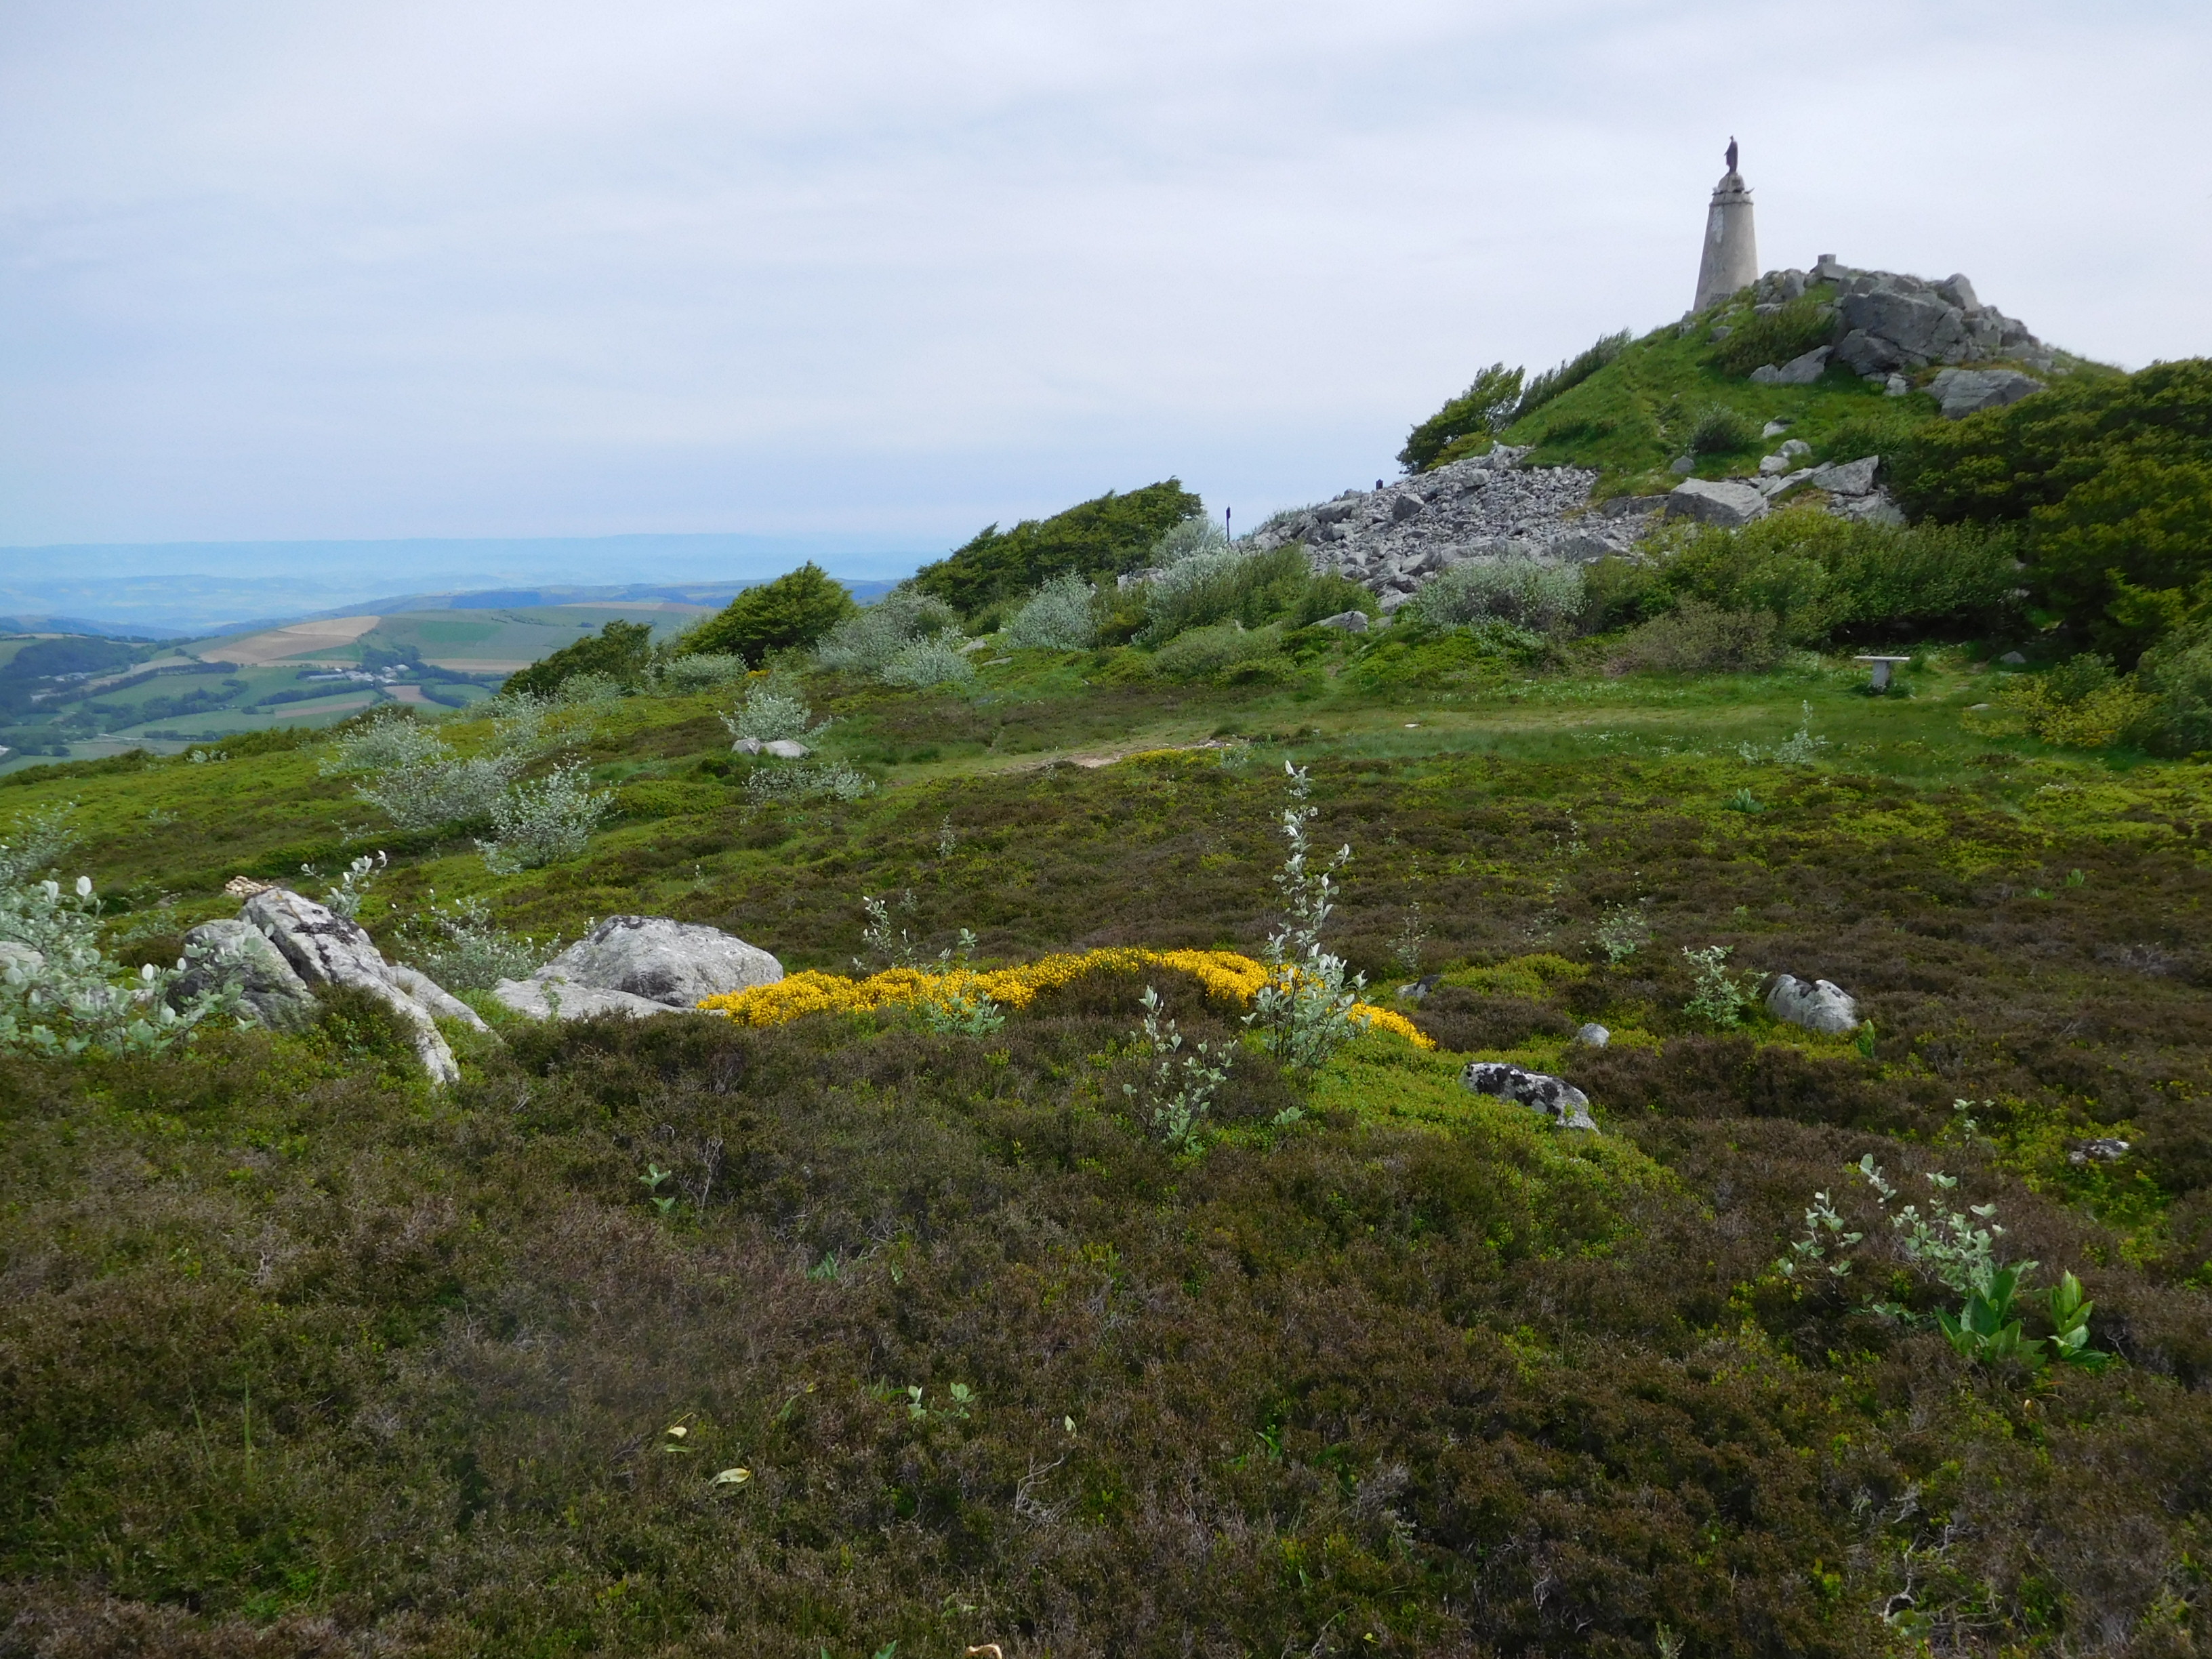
point(1393, 538)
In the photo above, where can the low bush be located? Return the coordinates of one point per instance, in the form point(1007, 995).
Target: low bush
point(1240, 587)
point(544, 820)
point(463, 949)
point(2177, 675)
point(1801, 325)
point(867, 641)
point(2083, 703)
point(1542, 596)
point(698, 671)
point(1717, 429)
point(1060, 616)
point(921, 664)
point(2112, 477)
point(1697, 638)
point(1203, 652)
point(770, 712)
point(1619, 592)
point(1820, 576)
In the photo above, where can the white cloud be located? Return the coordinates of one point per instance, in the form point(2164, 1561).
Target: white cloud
point(290, 270)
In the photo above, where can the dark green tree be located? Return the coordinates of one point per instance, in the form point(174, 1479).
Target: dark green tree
point(621, 650)
point(1485, 406)
point(793, 613)
point(1100, 537)
point(2111, 476)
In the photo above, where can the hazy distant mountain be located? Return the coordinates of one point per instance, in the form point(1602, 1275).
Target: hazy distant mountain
point(194, 589)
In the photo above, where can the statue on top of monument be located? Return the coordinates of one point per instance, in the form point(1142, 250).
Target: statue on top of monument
point(1731, 154)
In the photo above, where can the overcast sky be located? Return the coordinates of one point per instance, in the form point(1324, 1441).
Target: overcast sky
point(465, 268)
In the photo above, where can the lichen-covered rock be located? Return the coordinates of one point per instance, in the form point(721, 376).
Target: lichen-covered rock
point(1819, 1007)
point(674, 964)
point(556, 998)
point(1567, 1106)
point(324, 948)
point(270, 993)
point(1722, 501)
point(1964, 391)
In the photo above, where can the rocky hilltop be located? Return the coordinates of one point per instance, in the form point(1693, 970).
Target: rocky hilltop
point(1888, 325)
point(1888, 328)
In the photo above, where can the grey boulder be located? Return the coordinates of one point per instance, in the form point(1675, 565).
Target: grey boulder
point(1798, 371)
point(270, 993)
point(1592, 1036)
point(1716, 500)
point(1567, 1106)
point(1819, 1007)
point(1846, 478)
point(1352, 622)
point(673, 963)
point(553, 997)
point(1962, 391)
point(781, 748)
point(324, 948)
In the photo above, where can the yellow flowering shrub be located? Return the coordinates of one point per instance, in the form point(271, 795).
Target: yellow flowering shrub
point(1227, 976)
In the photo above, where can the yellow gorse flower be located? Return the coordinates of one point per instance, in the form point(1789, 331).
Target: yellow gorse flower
point(1226, 976)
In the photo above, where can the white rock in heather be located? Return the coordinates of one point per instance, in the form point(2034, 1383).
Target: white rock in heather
point(324, 948)
point(1567, 1106)
point(556, 998)
point(1819, 1007)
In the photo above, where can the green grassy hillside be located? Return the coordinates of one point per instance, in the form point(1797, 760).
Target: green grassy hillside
point(1630, 407)
point(298, 1356)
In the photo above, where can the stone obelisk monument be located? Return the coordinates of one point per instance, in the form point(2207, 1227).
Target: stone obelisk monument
point(1731, 258)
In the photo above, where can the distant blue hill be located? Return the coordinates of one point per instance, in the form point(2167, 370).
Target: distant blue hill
point(184, 590)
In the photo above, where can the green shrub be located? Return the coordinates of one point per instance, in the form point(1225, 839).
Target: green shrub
point(1485, 407)
point(1618, 592)
point(794, 612)
point(1884, 429)
point(1226, 583)
point(623, 651)
point(701, 671)
point(920, 664)
point(1202, 653)
point(1099, 539)
point(1719, 430)
point(1799, 326)
point(2112, 477)
point(1819, 575)
point(2178, 676)
point(1697, 638)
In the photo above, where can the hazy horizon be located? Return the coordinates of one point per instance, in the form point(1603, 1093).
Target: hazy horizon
point(184, 589)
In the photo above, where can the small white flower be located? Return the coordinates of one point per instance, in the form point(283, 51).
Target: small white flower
point(84, 886)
